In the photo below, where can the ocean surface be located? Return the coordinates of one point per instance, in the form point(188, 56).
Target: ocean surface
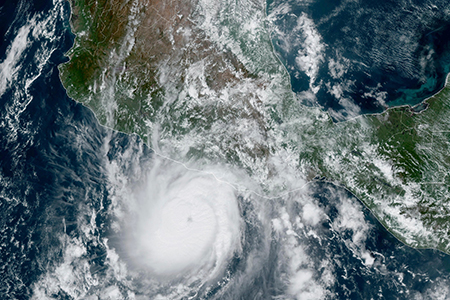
point(64, 183)
point(360, 57)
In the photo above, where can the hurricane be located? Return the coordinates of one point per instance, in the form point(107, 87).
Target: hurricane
point(182, 221)
point(224, 150)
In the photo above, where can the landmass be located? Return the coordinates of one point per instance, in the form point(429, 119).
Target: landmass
point(397, 163)
point(199, 81)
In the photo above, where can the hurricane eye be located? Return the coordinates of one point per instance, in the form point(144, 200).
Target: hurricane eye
point(189, 224)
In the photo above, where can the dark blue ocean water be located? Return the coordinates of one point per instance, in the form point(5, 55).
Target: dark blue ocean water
point(53, 180)
point(48, 153)
point(374, 54)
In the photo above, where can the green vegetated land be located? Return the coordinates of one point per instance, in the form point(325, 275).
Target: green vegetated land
point(108, 71)
point(130, 57)
point(417, 144)
point(401, 170)
point(396, 162)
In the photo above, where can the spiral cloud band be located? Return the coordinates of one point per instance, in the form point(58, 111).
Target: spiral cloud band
point(186, 221)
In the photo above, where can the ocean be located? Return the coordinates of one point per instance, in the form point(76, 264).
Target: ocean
point(366, 57)
point(68, 188)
